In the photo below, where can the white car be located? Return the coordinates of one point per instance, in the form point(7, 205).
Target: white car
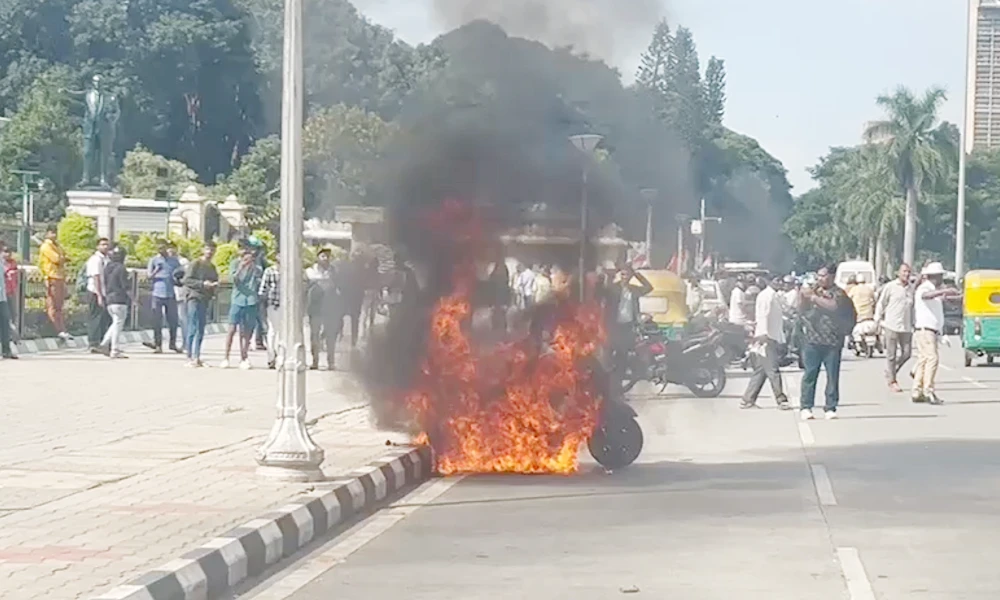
point(711, 295)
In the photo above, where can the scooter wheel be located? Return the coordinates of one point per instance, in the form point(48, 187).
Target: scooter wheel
point(617, 443)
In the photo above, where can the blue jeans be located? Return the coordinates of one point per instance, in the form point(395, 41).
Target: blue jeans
point(813, 357)
point(197, 312)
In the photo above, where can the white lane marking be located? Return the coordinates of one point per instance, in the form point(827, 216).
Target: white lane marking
point(858, 586)
point(824, 488)
point(978, 384)
point(806, 434)
point(337, 550)
point(946, 367)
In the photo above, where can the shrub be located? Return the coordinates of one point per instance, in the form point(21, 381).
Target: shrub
point(224, 254)
point(78, 236)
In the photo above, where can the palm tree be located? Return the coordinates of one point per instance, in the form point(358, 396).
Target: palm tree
point(872, 201)
point(919, 147)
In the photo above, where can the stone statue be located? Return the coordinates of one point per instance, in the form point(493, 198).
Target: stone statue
point(100, 124)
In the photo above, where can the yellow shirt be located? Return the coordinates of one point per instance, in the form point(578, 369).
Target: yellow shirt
point(863, 297)
point(52, 260)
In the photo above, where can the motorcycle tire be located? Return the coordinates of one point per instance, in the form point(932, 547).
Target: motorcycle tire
point(617, 442)
point(712, 386)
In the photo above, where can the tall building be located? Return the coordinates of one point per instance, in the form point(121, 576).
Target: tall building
point(983, 76)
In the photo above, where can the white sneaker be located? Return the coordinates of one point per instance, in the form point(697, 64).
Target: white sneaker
point(245, 365)
point(807, 414)
point(224, 364)
point(190, 363)
point(65, 336)
point(831, 415)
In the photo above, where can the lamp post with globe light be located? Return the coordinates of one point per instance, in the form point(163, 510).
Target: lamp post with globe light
point(289, 452)
point(586, 143)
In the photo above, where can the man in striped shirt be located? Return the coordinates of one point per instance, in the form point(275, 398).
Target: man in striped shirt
point(270, 294)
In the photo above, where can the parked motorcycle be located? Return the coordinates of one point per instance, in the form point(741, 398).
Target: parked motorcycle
point(697, 362)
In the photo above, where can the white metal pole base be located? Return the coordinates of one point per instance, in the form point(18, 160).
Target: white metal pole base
point(289, 454)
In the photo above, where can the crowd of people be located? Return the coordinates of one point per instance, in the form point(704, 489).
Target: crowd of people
point(906, 311)
point(182, 291)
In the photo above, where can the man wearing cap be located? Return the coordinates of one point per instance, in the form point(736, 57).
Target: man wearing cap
point(928, 325)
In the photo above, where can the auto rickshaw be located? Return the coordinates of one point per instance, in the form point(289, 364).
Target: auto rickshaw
point(981, 315)
point(667, 303)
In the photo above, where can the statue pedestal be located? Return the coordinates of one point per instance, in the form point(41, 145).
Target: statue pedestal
point(100, 205)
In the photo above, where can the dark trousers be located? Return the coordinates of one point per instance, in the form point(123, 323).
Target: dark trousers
point(5, 329)
point(898, 348)
point(197, 312)
point(323, 332)
point(98, 321)
point(815, 356)
point(354, 314)
point(168, 307)
point(765, 368)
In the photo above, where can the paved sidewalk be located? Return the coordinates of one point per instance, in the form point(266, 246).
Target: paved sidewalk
point(110, 468)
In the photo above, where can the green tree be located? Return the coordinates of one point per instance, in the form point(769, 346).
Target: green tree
point(685, 82)
point(656, 62)
point(41, 135)
point(715, 91)
point(255, 181)
point(921, 149)
point(143, 173)
point(342, 148)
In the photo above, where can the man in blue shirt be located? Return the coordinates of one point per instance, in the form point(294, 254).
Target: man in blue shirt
point(245, 274)
point(161, 273)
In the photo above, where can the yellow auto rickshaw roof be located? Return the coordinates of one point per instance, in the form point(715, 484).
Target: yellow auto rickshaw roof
point(980, 277)
point(664, 281)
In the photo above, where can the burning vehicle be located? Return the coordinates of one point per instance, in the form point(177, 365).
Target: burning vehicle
point(523, 400)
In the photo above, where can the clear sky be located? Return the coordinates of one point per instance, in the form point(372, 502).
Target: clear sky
point(802, 74)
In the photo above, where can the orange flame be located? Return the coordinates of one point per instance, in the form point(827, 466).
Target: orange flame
point(507, 408)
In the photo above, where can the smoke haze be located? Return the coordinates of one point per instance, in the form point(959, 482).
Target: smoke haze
point(602, 28)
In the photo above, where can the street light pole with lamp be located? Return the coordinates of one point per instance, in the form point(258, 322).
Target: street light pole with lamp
point(586, 143)
point(289, 452)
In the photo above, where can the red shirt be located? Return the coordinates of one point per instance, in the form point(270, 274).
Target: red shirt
point(10, 278)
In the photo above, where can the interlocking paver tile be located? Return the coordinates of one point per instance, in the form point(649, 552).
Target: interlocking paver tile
point(111, 468)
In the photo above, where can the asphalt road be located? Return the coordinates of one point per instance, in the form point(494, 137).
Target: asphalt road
point(891, 501)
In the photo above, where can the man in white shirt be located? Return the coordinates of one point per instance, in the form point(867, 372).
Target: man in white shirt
point(738, 304)
point(98, 318)
point(526, 286)
point(894, 312)
point(790, 297)
point(928, 325)
point(769, 334)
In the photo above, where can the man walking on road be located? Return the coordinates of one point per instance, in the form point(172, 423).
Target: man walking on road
point(161, 272)
point(894, 312)
point(326, 316)
point(928, 321)
point(52, 264)
point(200, 282)
point(827, 317)
point(769, 334)
point(116, 286)
point(98, 319)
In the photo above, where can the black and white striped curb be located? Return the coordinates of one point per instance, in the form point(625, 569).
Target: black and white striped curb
point(208, 572)
point(80, 342)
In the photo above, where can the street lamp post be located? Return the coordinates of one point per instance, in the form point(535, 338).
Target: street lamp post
point(585, 143)
point(289, 452)
point(27, 208)
point(682, 220)
point(963, 140)
point(649, 195)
